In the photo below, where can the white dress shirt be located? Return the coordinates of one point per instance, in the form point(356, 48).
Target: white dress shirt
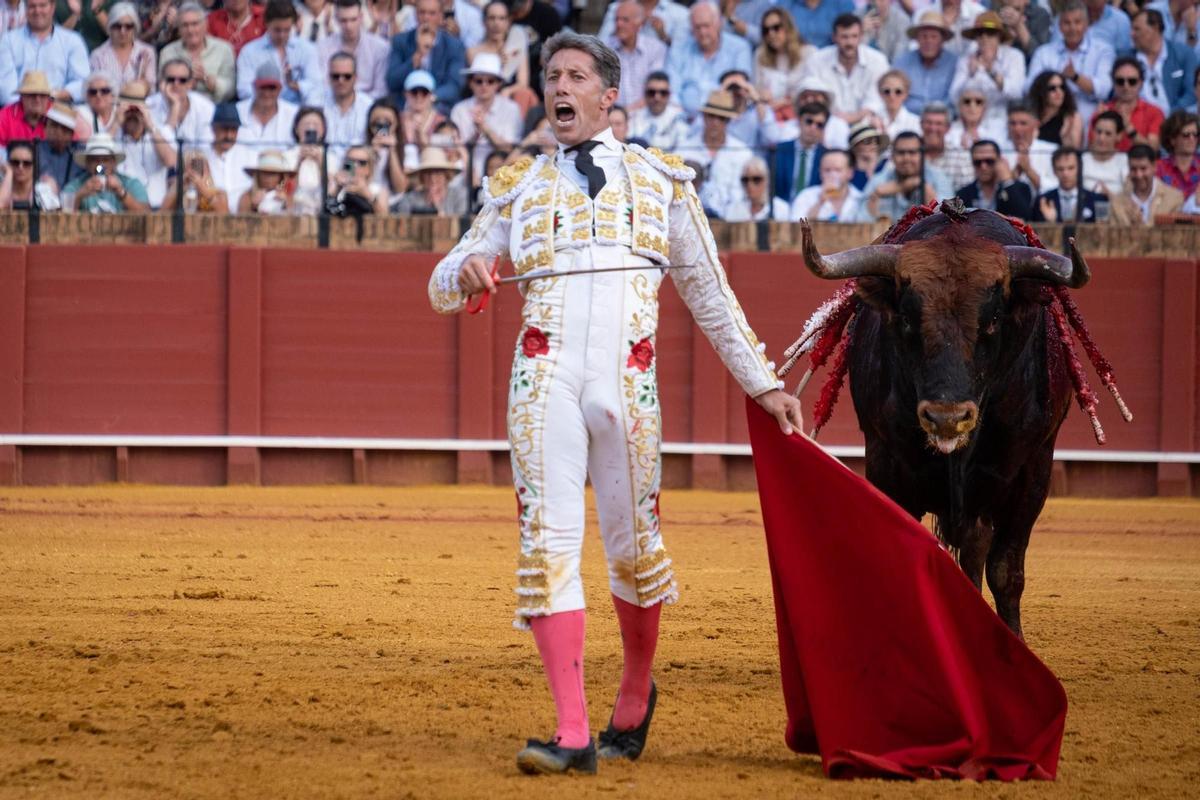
point(342, 130)
point(196, 125)
point(1009, 64)
point(668, 131)
point(1153, 89)
point(851, 210)
point(1111, 173)
point(1093, 59)
point(606, 155)
point(228, 171)
point(503, 117)
point(855, 89)
point(143, 162)
point(274, 134)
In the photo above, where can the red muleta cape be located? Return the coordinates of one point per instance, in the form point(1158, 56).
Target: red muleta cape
point(893, 665)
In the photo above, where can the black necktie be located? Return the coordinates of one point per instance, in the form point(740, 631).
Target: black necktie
point(587, 167)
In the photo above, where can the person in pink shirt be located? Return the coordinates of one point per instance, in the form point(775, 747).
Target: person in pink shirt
point(26, 118)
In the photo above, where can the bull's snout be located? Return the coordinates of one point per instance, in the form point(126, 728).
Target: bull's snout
point(948, 425)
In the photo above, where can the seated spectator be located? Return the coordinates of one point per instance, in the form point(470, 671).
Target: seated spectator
point(463, 20)
point(386, 135)
point(511, 43)
point(758, 204)
point(294, 58)
point(930, 67)
point(1058, 120)
point(1027, 22)
point(346, 107)
point(1069, 202)
point(722, 155)
point(994, 187)
point(1086, 62)
point(354, 188)
point(386, 18)
point(266, 118)
point(959, 16)
point(200, 192)
point(18, 190)
point(87, 20)
point(211, 59)
point(309, 133)
point(748, 125)
point(55, 153)
point(852, 71)
point(1104, 168)
point(540, 141)
point(25, 119)
point(834, 199)
point(185, 112)
point(101, 104)
point(697, 63)
point(659, 121)
point(1168, 66)
point(102, 189)
point(268, 192)
point(990, 66)
point(315, 20)
point(867, 147)
point(486, 119)
point(954, 163)
point(40, 45)
point(900, 185)
point(430, 48)
point(419, 118)
point(446, 137)
point(894, 88)
point(639, 52)
point(815, 19)
point(667, 21)
point(1195, 107)
point(1141, 119)
point(1144, 196)
point(1028, 156)
point(370, 51)
point(973, 121)
point(237, 22)
point(798, 161)
point(149, 149)
point(1180, 167)
point(744, 18)
point(124, 56)
point(779, 60)
point(618, 121)
point(1108, 24)
point(227, 157)
point(886, 24)
point(432, 191)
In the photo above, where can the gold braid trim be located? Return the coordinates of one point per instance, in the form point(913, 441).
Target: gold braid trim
point(533, 588)
point(655, 579)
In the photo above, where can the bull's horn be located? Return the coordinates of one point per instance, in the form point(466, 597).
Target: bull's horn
point(1042, 265)
point(873, 259)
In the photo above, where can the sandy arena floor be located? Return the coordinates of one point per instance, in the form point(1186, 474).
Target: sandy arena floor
point(355, 642)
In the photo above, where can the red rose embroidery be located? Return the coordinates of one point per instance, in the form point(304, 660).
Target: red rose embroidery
point(534, 343)
point(641, 355)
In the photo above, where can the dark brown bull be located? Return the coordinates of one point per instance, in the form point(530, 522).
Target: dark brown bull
point(958, 385)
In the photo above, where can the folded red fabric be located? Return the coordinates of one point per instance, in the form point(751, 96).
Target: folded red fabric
point(893, 665)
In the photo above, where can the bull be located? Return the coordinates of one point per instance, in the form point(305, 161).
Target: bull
point(957, 383)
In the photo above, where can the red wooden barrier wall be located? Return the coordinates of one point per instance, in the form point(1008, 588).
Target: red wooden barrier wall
point(208, 340)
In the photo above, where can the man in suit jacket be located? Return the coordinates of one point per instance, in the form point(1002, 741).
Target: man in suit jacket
point(994, 186)
point(430, 48)
point(1145, 196)
point(1168, 86)
point(804, 151)
point(1069, 202)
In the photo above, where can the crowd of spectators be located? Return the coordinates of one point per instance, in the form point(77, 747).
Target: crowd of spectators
point(837, 110)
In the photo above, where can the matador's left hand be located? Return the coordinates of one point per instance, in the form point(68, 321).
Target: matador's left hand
point(784, 408)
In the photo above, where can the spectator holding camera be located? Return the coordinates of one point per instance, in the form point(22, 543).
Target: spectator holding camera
point(200, 192)
point(386, 138)
point(295, 58)
point(149, 149)
point(125, 57)
point(102, 189)
point(309, 132)
point(268, 191)
point(211, 59)
point(355, 189)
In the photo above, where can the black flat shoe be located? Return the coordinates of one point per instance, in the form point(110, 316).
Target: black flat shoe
point(547, 758)
point(628, 744)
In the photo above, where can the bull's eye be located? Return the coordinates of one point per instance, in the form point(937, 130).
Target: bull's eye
point(993, 327)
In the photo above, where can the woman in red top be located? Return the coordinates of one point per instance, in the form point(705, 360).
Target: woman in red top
point(1180, 168)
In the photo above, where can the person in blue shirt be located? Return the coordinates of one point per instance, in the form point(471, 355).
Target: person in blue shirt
point(814, 18)
point(430, 48)
point(41, 45)
point(303, 81)
point(697, 63)
point(930, 66)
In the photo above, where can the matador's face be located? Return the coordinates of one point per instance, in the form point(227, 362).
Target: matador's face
point(577, 101)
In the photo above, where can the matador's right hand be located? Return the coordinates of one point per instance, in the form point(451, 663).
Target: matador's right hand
point(476, 276)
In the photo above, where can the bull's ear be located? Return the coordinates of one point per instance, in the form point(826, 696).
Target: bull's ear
point(879, 293)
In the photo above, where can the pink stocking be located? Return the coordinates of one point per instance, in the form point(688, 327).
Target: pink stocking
point(559, 639)
point(639, 636)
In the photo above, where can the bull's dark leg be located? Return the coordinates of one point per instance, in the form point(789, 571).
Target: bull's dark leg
point(976, 540)
point(1014, 521)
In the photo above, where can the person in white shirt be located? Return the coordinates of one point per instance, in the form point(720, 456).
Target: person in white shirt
point(1085, 62)
point(346, 107)
point(486, 119)
point(176, 106)
point(893, 88)
point(953, 162)
point(266, 118)
point(660, 123)
point(370, 51)
point(834, 199)
point(150, 149)
point(227, 157)
point(990, 66)
point(722, 156)
point(1028, 156)
point(665, 20)
point(1104, 168)
point(758, 204)
point(852, 69)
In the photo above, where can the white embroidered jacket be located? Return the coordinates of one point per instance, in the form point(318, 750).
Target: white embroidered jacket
point(534, 213)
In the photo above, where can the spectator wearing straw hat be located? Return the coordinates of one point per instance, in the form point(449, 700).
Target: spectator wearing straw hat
point(124, 56)
point(227, 157)
point(149, 148)
point(266, 117)
point(990, 66)
point(434, 191)
point(486, 119)
point(55, 153)
point(268, 190)
point(211, 58)
point(295, 58)
point(867, 147)
point(25, 119)
point(176, 106)
point(722, 155)
point(930, 67)
point(58, 53)
point(102, 189)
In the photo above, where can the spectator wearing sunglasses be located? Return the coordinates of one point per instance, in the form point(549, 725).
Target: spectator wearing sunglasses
point(758, 204)
point(639, 52)
point(101, 104)
point(1083, 59)
point(1059, 121)
point(211, 59)
point(896, 118)
point(188, 113)
point(346, 108)
point(125, 57)
point(779, 61)
point(995, 187)
point(797, 162)
point(1180, 167)
point(487, 119)
point(41, 45)
point(659, 121)
point(1141, 119)
point(370, 51)
point(1168, 65)
point(18, 191)
point(972, 123)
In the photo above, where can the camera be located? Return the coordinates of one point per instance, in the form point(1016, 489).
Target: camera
point(384, 128)
point(100, 171)
point(310, 136)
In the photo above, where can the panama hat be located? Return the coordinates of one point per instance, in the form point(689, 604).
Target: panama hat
point(865, 131)
point(485, 64)
point(133, 95)
point(271, 161)
point(931, 19)
point(34, 82)
point(988, 22)
point(720, 104)
point(433, 158)
point(101, 144)
point(62, 114)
